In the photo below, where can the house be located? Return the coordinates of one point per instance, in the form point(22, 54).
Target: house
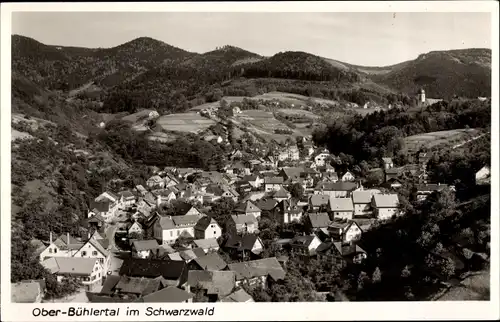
point(425, 190)
point(423, 159)
point(170, 180)
point(168, 228)
point(326, 169)
point(189, 255)
point(155, 182)
point(293, 153)
point(317, 202)
point(244, 245)
point(340, 254)
point(309, 148)
point(347, 177)
point(127, 197)
point(257, 272)
point(291, 174)
point(88, 270)
point(239, 296)
point(144, 248)
point(208, 245)
point(136, 229)
point(392, 173)
point(245, 223)
point(341, 208)
point(215, 284)
point(280, 194)
point(207, 228)
point(385, 206)
point(317, 221)
point(96, 221)
point(98, 249)
point(388, 163)
point(238, 168)
point(129, 288)
point(362, 202)
point(266, 204)
point(320, 158)
point(287, 212)
point(209, 262)
point(164, 196)
point(336, 189)
point(330, 177)
point(305, 245)
point(170, 294)
point(214, 138)
point(254, 180)
point(141, 190)
point(272, 183)
point(106, 205)
point(229, 192)
point(31, 291)
point(483, 176)
point(173, 272)
point(64, 246)
point(346, 232)
point(248, 208)
point(394, 183)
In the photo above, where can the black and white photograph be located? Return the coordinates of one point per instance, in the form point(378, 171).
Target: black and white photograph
point(247, 157)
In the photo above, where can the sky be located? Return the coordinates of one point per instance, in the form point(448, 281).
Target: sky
point(368, 39)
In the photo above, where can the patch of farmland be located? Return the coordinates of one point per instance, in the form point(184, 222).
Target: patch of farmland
point(298, 112)
point(139, 116)
point(162, 137)
point(429, 140)
point(15, 134)
point(184, 122)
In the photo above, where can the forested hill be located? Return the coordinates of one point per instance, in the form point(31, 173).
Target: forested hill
point(145, 73)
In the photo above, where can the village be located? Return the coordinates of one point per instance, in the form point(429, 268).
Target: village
point(158, 243)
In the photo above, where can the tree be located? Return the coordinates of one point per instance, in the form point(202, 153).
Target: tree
point(296, 190)
point(376, 275)
point(447, 267)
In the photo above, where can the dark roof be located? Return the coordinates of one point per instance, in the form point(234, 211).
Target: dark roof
point(240, 243)
point(204, 222)
point(304, 241)
point(336, 186)
point(137, 285)
point(170, 294)
point(109, 284)
point(273, 180)
point(211, 262)
point(245, 207)
point(215, 282)
point(262, 267)
point(348, 249)
point(432, 187)
point(141, 245)
point(319, 220)
point(169, 269)
point(266, 204)
point(97, 298)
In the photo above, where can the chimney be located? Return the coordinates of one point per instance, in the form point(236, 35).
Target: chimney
point(51, 237)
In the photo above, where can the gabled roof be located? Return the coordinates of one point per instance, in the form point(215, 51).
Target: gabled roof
point(244, 219)
point(207, 243)
point(109, 284)
point(239, 296)
point(303, 241)
point(169, 269)
point(169, 294)
point(319, 200)
point(246, 207)
point(249, 178)
point(348, 249)
point(241, 243)
point(281, 193)
point(361, 197)
point(273, 180)
point(386, 201)
point(266, 204)
point(64, 243)
point(187, 255)
point(188, 220)
point(137, 285)
point(215, 282)
point(319, 220)
point(211, 262)
point(262, 267)
point(292, 172)
point(204, 222)
point(78, 266)
point(341, 204)
point(126, 194)
point(140, 245)
point(175, 256)
point(336, 186)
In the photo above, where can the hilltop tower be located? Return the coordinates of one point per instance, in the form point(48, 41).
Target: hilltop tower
point(421, 97)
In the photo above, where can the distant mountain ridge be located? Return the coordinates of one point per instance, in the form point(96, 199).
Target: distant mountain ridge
point(146, 65)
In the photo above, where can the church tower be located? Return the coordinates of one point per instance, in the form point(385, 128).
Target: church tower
point(421, 97)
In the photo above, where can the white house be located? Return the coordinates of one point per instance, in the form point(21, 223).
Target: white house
point(320, 158)
point(135, 228)
point(305, 245)
point(88, 270)
point(167, 229)
point(106, 205)
point(94, 248)
point(347, 176)
point(164, 196)
point(388, 163)
point(245, 223)
point(155, 182)
point(64, 246)
point(248, 208)
point(347, 232)
point(272, 183)
point(385, 205)
point(207, 228)
point(208, 245)
point(144, 248)
point(336, 189)
point(127, 197)
point(341, 208)
point(362, 201)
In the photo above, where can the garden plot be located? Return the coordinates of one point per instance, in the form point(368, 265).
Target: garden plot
point(184, 122)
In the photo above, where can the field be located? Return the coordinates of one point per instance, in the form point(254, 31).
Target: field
point(184, 122)
point(161, 137)
point(19, 135)
point(429, 140)
point(299, 112)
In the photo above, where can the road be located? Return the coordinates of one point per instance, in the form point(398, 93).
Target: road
point(110, 235)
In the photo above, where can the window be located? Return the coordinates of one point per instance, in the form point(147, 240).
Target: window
point(50, 250)
point(99, 275)
point(84, 253)
point(101, 260)
point(94, 253)
point(55, 250)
